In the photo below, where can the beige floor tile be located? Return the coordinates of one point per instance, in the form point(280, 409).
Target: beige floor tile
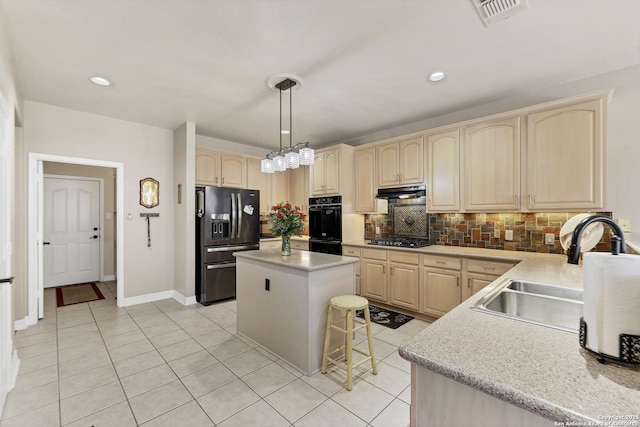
point(142, 310)
point(37, 362)
point(405, 396)
point(381, 349)
point(389, 378)
point(144, 381)
point(393, 337)
point(76, 384)
point(258, 414)
point(77, 366)
point(202, 328)
point(161, 328)
point(45, 416)
point(179, 349)
point(152, 320)
point(226, 401)
point(28, 340)
point(138, 363)
point(163, 340)
point(247, 362)
point(67, 320)
point(395, 360)
point(208, 379)
point(159, 401)
point(20, 402)
point(230, 348)
point(331, 414)
point(326, 384)
point(290, 368)
point(86, 349)
point(168, 305)
point(365, 400)
point(78, 338)
point(123, 338)
point(108, 312)
point(187, 317)
point(38, 377)
point(296, 399)
point(394, 415)
point(78, 329)
point(413, 327)
point(119, 415)
point(187, 415)
point(268, 379)
point(194, 362)
point(37, 349)
point(129, 350)
point(81, 405)
point(42, 326)
point(213, 338)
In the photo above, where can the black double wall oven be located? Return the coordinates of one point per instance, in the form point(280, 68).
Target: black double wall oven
point(325, 225)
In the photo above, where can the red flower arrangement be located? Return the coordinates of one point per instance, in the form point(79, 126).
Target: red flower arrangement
point(286, 220)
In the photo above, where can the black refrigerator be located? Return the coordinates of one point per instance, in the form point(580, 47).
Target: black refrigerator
point(227, 221)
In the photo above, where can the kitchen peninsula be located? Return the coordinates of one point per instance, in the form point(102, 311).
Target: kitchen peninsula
point(282, 302)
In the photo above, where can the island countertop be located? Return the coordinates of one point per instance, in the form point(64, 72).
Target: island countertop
point(540, 369)
point(298, 260)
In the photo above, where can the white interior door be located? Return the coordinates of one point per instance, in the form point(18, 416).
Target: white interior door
point(71, 231)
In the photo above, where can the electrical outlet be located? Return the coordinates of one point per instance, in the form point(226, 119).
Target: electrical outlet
point(496, 234)
point(508, 234)
point(549, 238)
point(625, 224)
point(377, 230)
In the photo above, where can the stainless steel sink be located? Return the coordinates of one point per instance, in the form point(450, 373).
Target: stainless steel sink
point(542, 304)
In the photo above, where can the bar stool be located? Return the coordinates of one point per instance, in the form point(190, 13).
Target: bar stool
point(349, 304)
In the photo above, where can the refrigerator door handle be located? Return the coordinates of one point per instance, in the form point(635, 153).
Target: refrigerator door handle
point(216, 266)
point(234, 214)
point(200, 203)
point(239, 215)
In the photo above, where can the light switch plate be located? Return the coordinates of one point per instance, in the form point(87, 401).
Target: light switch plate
point(549, 238)
point(508, 234)
point(496, 234)
point(625, 224)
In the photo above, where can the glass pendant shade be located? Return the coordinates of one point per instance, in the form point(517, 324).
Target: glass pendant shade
point(293, 160)
point(280, 164)
point(267, 166)
point(306, 156)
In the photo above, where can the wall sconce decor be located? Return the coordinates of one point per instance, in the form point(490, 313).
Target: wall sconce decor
point(149, 193)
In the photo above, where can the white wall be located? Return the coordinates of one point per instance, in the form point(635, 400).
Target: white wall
point(224, 145)
point(622, 147)
point(145, 151)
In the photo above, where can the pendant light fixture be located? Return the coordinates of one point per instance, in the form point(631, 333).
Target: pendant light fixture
point(295, 155)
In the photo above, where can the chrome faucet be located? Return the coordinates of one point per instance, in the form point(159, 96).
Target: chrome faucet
point(617, 240)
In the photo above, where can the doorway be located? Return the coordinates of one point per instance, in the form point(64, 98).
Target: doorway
point(72, 228)
point(36, 227)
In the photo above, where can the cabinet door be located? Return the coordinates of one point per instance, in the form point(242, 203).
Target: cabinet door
point(411, 161)
point(404, 284)
point(331, 174)
point(257, 180)
point(279, 187)
point(232, 171)
point(443, 171)
point(439, 291)
point(299, 188)
point(476, 282)
point(565, 158)
point(317, 185)
point(374, 279)
point(365, 172)
point(388, 164)
point(492, 165)
point(206, 167)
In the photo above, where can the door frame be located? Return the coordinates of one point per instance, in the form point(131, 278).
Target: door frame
point(35, 181)
point(101, 214)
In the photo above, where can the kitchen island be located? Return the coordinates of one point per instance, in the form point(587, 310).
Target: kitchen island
point(282, 302)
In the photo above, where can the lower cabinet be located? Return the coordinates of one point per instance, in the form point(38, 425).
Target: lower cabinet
point(356, 252)
point(300, 244)
point(404, 280)
point(479, 273)
point(440, 285)
point(373, 272)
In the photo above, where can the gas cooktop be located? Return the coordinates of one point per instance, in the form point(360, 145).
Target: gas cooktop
point(400, 243)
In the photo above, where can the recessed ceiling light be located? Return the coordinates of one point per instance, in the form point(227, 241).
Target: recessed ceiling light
point(101, 81)
point(436, 76)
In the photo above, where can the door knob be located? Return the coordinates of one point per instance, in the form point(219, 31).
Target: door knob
point(95, 228)
point(93, 237)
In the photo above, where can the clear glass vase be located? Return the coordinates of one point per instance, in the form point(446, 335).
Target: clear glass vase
point(286, 246)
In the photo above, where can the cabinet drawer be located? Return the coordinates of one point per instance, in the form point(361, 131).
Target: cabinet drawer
point(351, 251)
point(300, 244)
point(374, 254)
point(489, 267)
point(442, 262)
point(405, 258)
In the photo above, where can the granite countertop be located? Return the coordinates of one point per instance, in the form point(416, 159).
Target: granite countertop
point(540, 369)
point(298, 260)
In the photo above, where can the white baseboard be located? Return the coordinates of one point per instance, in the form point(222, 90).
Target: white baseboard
point(141, 299)
point(109, 278)
point(24, 323)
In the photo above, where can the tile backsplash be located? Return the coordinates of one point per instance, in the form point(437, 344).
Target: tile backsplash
point(479, 230)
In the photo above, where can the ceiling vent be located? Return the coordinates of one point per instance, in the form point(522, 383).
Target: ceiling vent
point(491, 11)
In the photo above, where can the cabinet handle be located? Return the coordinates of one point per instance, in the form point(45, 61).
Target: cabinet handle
point(516, 199)
point(391, 271)
point(384, 270)
point(223, 179)
point(489, 268)
point(457, 282)
point(440, 262)
point(216, 180)
point(469, 283)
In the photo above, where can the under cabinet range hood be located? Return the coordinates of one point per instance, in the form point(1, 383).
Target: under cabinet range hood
point(408, 192)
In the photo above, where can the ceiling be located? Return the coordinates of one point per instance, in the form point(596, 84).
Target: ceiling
point(363, 63)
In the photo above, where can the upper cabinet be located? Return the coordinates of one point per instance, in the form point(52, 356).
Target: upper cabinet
point(299, 187)
point(492, 166)
point(565, 157)
point(364, 161)
point(220, 169)
point(325, 172)
point(256, 180)
point(443, 171)
point(400, 163)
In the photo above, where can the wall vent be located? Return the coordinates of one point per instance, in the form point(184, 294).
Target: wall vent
point(491, 11)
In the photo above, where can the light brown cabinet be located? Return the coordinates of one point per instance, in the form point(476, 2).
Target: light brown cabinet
point(492, 166)
point(565, 157)
point(400, 163)
point(443, 171)
point(326, 179)
point(207, 167)
point(365, 177)
point(373, 273)
point(220, 169)
point(404, 280)
point(257, 180)
point(354, 251)
point(479, 273)
point(440, 284)
point(299, 188)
